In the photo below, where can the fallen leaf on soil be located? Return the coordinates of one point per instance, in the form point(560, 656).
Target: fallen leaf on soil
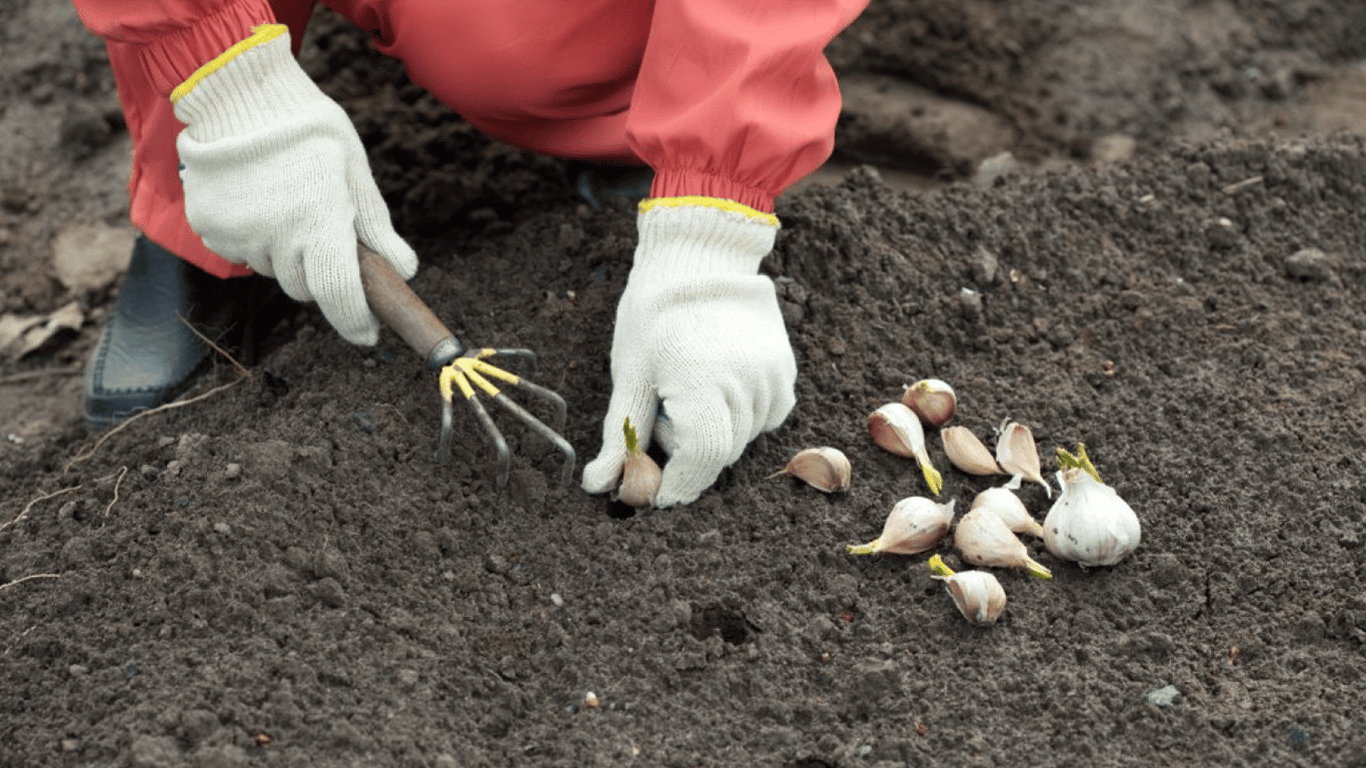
point(21, 335)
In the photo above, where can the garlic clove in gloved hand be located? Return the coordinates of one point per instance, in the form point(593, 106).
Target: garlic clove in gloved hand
point(825, 469)
point(967, 453)
point(978, 594)
point(896, 429)
point(932, 400)
point(1089, 523)
point(1008, 506)
point(1018, 455)
point(982, 538)
point(914, 525)
point(640, 475)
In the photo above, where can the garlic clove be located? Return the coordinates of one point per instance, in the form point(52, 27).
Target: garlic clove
point(978, 594)
point(1018, 455)
point(640, 475)
point(967, 453)
point(825, 469)
point(1089, 523)
point(982, 538)
point(932, 400)
point(896, 429)
point(914, 525)
point(1006, 505)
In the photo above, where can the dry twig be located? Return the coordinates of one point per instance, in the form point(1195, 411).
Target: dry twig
point(29, 577)
point(44, 497)
point(243, 374)
point(122, 472)
point(15, 378)
point(86, 454)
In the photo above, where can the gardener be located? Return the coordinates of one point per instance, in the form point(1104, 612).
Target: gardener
point(242, 166)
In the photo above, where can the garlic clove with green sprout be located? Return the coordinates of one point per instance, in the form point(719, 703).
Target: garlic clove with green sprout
point(1018, 455)
point(1012, 511)
point(896, 429)
point(932, 400)
point(1089, 523)
point(967, 453)
point(982, 538)
point(978, 594)
point(825, 469)
point(640, 475)
point(914, 525)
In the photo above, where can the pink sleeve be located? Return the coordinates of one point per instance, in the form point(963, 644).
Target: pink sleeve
point(736, 99)
point(155, 45)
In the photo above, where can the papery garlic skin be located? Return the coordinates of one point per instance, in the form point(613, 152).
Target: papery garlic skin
point(978, 595)
point(1089, 523)
point(896, 429)
point(1012, 511)
point(825, 469)
point(641, 477)
point(1018, 455)
point(932, 400)
point(967, 453)
point(913, 526)
point(640, 480)
point(982, 538)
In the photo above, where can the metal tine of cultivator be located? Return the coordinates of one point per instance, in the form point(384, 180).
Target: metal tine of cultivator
point(401, 309)
point(470, 373)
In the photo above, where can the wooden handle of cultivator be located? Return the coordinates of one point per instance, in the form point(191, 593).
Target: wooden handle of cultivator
point(395, 304)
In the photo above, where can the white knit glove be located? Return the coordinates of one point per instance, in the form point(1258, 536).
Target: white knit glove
point(698, 329)
point(275, 177)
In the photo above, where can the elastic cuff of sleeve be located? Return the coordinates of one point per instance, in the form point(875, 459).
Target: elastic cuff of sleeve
point(261, 34)
point(682, 182)
point(167, 53)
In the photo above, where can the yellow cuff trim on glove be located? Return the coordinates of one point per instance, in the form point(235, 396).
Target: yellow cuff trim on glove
point(262, 33)
point(708, 202)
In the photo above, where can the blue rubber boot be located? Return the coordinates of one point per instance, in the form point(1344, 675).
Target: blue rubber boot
point(146, 357)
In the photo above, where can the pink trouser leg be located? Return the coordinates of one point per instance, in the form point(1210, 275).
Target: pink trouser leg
point(551, 77)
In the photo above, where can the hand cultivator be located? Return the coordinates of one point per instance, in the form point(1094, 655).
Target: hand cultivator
point(467, 372)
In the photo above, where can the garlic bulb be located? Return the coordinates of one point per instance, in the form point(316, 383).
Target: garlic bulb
point(1007, 506)
point(897, 429)
point(978, 594)
point(967, 453)
point(982, 538)
point(825, 469)
point(1089, 523)
point(914, 525)
point(932, 400)
point(1019, 456)
point(640, 475)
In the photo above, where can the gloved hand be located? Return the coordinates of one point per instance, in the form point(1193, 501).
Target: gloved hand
point(699, 330)
point(276, 177)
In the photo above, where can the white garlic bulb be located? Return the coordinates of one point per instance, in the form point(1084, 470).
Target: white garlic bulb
point(1089, 523)
point(978, 594)
point(914, 525)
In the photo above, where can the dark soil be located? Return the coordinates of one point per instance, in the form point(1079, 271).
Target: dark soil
point(280, 574)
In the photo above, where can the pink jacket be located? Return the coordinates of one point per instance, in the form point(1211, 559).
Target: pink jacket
point(722, 98)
